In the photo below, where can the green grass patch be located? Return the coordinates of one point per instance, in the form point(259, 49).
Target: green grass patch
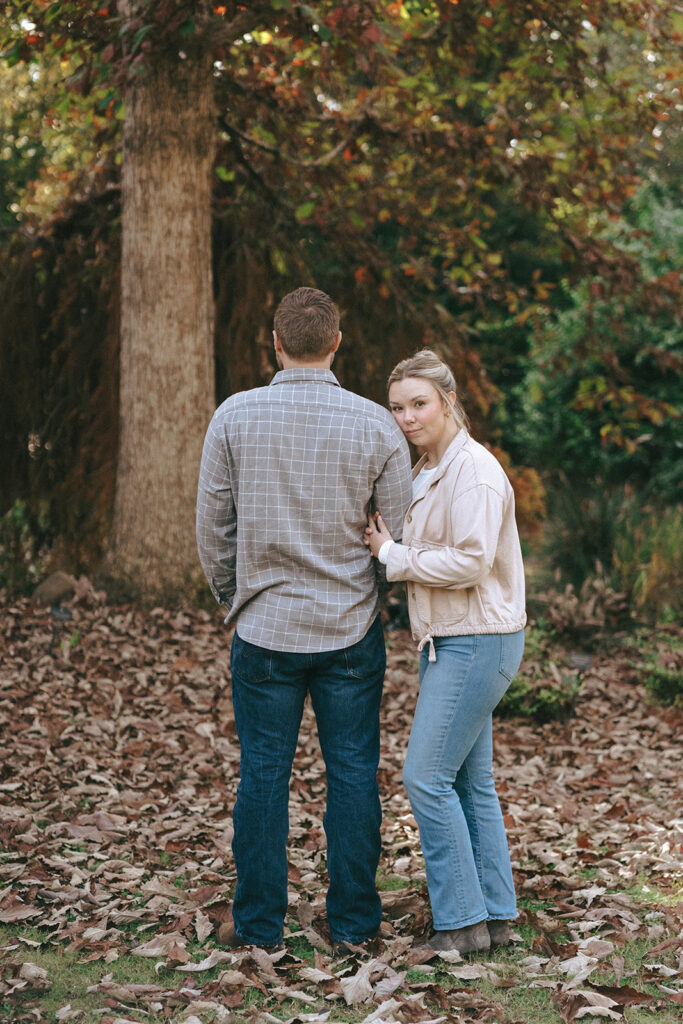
point(521, 1003)
point(69, 980)
point(299, 946)
point(645, 891)
point(512, 999)
point(390, 883)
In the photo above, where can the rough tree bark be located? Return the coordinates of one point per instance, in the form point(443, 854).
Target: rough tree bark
point(167, 377)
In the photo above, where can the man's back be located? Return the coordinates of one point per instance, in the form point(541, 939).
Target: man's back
point(304, 460)
point(288, 475)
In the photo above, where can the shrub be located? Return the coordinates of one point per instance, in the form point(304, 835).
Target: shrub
point(614, 555)
point(543, 690)
point(600, 404)
point(665, 685)
point(594, 606)
point(545, 700)
point(658, 662)
point(648, 559)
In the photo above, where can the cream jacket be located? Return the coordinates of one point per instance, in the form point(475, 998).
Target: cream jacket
point(460, 554)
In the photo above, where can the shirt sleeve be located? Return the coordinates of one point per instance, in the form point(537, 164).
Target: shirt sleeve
point(383, 553)
point(476, 519)
point(393, 491)
point(217, 519)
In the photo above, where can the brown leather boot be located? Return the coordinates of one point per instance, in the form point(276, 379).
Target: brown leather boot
point(227, 936)
point(500, 933)
point(474, 938)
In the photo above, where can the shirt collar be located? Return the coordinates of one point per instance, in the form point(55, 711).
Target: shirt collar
point(305, 373)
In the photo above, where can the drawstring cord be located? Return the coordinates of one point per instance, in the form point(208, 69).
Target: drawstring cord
point(432, 650)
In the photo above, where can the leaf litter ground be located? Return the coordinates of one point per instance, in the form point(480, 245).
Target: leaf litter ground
point(119, 770)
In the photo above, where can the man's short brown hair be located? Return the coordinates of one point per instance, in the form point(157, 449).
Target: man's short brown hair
point(307, 323)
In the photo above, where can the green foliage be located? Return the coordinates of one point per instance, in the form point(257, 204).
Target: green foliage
point(601, 398)
point(614, 553)
point(656, 658)
point(541, 690)
point(581, 530)
point(22, 548)
point(665, 685)
point(543, 701)
point(600, 406)
point(55, 141)
point(648, 558)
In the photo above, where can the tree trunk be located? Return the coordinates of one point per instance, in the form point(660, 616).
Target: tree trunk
point(167, 376)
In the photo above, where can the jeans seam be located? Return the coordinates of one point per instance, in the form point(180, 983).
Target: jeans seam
point(480, 645)
point(478, 860)
point(453, 856)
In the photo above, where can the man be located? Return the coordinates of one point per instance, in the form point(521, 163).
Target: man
point(288, 475)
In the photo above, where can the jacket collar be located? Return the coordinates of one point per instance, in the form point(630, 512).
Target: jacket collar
point(454, 447)
point(447, 457)
point(302, 373)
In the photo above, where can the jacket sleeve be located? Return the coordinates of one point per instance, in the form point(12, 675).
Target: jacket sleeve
point(476, 518)
point(393, 489)
point(217, 519)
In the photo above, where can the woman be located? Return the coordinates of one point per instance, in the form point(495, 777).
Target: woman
point(462, 562)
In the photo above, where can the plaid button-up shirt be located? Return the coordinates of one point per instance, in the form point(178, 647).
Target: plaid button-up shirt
point(288, 475)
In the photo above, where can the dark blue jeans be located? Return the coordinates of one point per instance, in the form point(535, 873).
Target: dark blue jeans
point(268, 691)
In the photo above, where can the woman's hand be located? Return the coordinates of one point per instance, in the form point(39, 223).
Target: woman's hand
point(375, 533)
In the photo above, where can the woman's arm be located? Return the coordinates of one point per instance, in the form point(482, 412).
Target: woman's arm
point(476, 518)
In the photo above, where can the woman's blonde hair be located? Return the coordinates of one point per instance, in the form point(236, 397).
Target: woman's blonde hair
point(426, 365)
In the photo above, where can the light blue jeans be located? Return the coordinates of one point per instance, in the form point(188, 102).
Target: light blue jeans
point(448, 774)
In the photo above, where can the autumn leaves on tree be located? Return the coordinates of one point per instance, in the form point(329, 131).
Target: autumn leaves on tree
point(438, 167)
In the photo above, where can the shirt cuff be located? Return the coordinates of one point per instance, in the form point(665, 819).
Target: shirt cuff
point(383, 553)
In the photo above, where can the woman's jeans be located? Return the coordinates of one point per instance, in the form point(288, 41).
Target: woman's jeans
point(269, 689)
point(449, 777)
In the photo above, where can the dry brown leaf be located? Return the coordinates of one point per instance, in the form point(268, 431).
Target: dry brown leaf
point(216, 956)
point(170, 944)
point(357, 988)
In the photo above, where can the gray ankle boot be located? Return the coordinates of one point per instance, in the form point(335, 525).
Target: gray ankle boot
point(500, 933)
point(472, 939)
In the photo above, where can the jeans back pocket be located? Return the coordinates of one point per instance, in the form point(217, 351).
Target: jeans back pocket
point(511, 650)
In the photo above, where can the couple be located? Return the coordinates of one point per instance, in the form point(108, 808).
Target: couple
point(303, 487)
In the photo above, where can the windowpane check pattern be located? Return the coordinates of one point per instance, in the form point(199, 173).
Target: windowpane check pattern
point(288, 474)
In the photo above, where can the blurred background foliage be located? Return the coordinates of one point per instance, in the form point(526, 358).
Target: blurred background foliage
point(496, 180)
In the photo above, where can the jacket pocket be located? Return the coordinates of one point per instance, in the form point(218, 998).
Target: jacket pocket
point(442, 607)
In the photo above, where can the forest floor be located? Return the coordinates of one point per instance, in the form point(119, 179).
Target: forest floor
point(118, 774)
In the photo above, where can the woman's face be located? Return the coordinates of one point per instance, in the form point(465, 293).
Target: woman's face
point(421, 412)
